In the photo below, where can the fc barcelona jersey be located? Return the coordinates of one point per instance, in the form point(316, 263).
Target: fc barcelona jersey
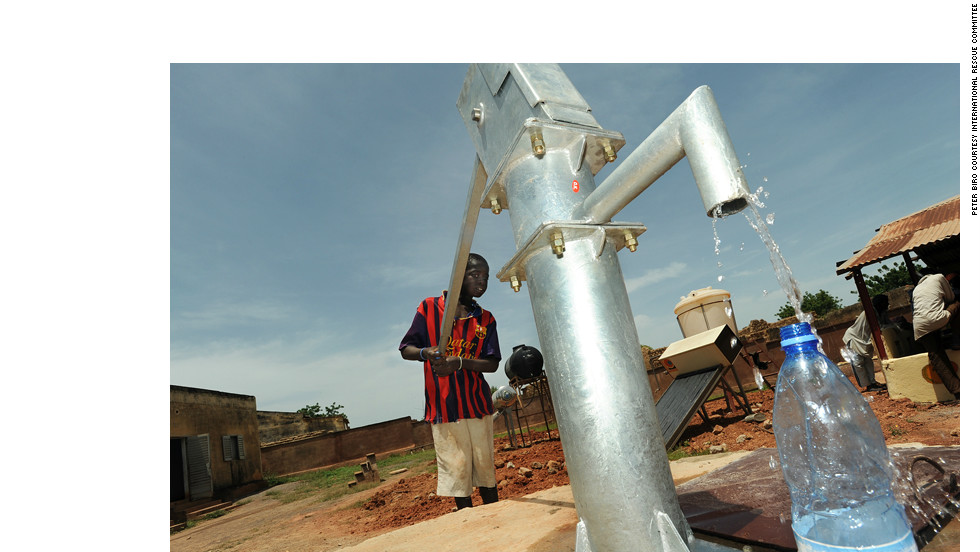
point(464, 393)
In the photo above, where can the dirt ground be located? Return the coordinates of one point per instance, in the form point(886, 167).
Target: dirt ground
point(264, 524)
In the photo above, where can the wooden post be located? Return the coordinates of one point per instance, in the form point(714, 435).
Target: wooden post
point(869, 313)
point(910, 266)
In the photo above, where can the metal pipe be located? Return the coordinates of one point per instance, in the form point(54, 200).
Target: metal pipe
point(567, 252)
point(695, 130)
point(614, 450)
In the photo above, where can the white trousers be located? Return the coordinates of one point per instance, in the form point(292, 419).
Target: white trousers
point(464, 456)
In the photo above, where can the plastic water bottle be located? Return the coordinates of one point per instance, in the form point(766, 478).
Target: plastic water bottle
point(833, 456)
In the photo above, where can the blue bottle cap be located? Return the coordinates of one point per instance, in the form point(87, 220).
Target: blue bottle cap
point(794, 334)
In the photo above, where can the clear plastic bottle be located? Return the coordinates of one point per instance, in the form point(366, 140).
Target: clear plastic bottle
point(833, 456)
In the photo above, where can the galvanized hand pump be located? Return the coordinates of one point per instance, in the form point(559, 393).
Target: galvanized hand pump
point(538, 149)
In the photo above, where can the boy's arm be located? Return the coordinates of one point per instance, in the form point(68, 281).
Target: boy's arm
point(486, 365)
point(411, 352)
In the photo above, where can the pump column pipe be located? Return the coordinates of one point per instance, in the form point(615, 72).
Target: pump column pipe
point(695, 130)
point(614, 450)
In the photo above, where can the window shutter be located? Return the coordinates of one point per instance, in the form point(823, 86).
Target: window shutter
point(199, 467)
point(241, 446)
point(228, 447)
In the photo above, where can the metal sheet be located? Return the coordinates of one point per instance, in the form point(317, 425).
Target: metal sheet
point(748, 500)
point(684, 396)
point(930, 225)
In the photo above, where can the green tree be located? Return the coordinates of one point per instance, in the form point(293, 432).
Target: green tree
point(821, 303)
point(317, 411)
point(888, 278)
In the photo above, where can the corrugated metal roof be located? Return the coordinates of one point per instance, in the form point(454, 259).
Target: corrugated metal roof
point(929, 225)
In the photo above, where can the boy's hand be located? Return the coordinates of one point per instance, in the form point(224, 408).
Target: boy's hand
point(445, 366)
point(431, 353)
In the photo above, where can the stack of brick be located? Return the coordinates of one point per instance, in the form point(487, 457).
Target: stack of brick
point(369, 471)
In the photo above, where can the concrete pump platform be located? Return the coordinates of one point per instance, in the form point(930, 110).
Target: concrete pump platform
point(545, 521)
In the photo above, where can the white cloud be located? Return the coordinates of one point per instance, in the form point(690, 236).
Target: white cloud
point(222, 314)
point(410, 276)
point(655, 276)
point(657, 331)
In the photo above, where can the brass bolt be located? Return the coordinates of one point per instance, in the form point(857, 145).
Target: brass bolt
point(515, 283)
point(630, 241)
point(609, 152)
point(558, 243)
point(537, 142)
point(495, 206)
point(478, 114)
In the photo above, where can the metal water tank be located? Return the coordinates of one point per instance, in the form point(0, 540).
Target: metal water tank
point(524, 363)
point(704, 309)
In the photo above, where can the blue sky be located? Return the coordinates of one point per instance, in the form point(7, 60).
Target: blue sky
point(313, 206)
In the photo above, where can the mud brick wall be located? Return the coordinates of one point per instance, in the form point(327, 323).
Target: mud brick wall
point(351, 446)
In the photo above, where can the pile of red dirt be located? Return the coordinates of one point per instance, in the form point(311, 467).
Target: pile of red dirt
point(902, 421)
point(520, 471)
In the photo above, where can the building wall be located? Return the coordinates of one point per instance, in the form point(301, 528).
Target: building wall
point(215, 413)
point(276, 426)
point(328, 449)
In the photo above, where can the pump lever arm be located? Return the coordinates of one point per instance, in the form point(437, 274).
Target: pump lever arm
point(477, 183)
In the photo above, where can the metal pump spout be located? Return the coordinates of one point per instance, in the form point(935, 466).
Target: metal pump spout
point(695, 130)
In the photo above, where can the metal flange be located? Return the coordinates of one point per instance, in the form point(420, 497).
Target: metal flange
point(597, 146)
point(556, 236)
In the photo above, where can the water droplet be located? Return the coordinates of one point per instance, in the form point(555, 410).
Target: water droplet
point(765, 179)
point(772, 462)
point(728, 311)
point(720, 277)
point(766, 195)
point(719, 264)
point(741, 246)
point(734, 342)
point(765, 292)
point(770, 218)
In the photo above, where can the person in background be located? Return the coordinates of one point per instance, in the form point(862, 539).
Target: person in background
point(934, 307)
point(458, 403)
point(858, 341)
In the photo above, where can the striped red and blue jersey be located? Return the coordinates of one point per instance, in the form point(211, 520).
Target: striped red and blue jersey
point(464, 393)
